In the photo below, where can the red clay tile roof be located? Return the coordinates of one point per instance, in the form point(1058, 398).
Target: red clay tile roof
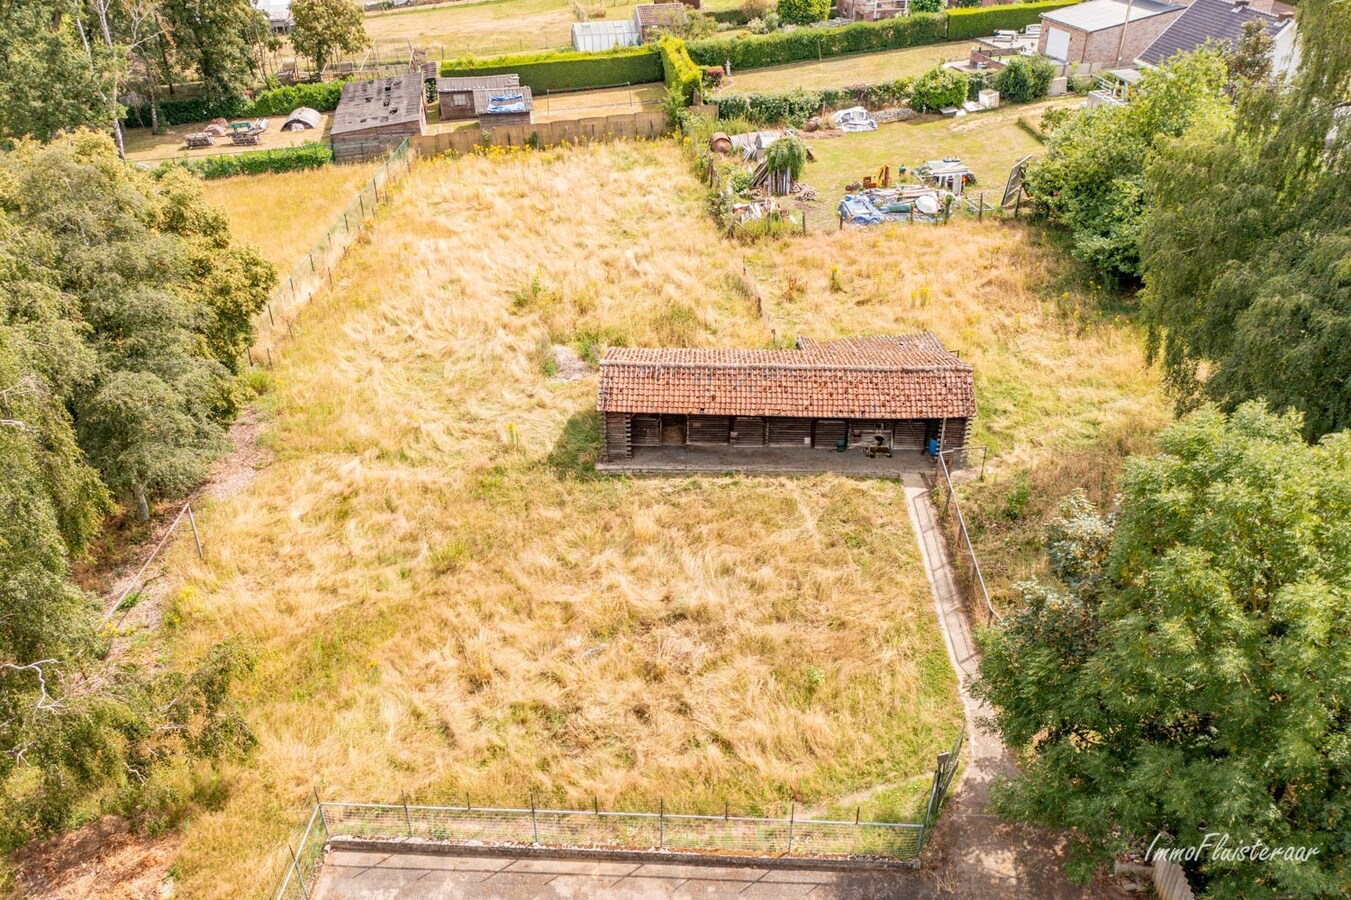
point(894, 377)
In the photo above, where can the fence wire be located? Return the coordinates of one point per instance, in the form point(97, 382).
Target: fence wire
point(281, 317)
point(789, 836)
point(954, 524)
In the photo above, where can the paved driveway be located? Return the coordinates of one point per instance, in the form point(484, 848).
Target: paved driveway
point(361, 875)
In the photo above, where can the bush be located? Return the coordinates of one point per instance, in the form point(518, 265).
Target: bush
point(939, 87)
point(1024, 78)
point(809, 43)
point(804, 12)
point(310, 155)
point(980, 21)
point(797, 106)
point(568, 69)
point(178, 112)
point(787, 154)
point(277, 101)
point(683, 77)
point(926, 6)
point(280, 101)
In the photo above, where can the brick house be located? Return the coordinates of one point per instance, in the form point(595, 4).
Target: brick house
point(900, 391)
point(1104, 33)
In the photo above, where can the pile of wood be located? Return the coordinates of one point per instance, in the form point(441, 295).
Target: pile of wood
point(198, 139)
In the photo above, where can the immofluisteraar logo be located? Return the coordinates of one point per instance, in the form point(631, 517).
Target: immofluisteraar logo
point(1217, 846)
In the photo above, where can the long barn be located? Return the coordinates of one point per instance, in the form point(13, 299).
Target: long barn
point(904, 393)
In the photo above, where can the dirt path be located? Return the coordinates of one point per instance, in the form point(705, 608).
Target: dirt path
point(973, 853)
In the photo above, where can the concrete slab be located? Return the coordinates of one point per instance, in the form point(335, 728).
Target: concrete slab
point(571, 866)
point(717, 460)
point(704, 873)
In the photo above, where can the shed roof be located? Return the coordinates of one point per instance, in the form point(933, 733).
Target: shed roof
point(1207, 20)
point(659, 15)
point(448, 85)
point(1099, 15)
point(890, 377)
point(384, 101)
point(513, 99)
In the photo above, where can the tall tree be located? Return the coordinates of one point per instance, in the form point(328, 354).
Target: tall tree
point(1092, 179)
point(1247, 236)
point(324, 29)
point(215, 38)
point(1188, 674)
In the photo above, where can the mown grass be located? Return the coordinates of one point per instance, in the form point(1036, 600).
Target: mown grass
point(854, 68)
point(285, 214)
point(447, 601)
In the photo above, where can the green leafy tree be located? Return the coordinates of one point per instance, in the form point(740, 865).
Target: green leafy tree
point(787, 154)
point(1187, 672)
point(215, 40)
point(1092, 179)
point(939, 87)
point(1245, 243)
point(1024, 79)
point(926, 6)
point(324, 29)
point(803, 12)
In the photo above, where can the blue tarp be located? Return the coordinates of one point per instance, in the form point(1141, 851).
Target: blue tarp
point(859, 210)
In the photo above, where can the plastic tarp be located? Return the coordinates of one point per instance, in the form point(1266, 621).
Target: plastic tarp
point(859, 210)
point(506, 103)
point(856, 118)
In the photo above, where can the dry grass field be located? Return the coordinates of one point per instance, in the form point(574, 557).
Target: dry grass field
point(447, 601)
point(285, 214)
point(145, 146)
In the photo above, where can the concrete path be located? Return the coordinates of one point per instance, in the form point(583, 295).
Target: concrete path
point(972, 853)
point(358, 875)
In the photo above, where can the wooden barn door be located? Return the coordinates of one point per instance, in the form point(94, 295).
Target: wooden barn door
point(749, 431)
point(673, 430)
point(790, 433)
point(910, 434)
point(646, 431)
point(826, 433)
point(710, 429)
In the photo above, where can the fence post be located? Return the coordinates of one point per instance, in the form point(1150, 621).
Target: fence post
point(534, 822)
point(295, 864)
point(792, 814)
point(980, 210)
point(407, 818)
point(195, 537)
point(323, 819)
point(661, 824)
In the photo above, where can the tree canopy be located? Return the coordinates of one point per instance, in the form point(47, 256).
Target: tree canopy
point(1245, 245)
point(1187, 671)
point(326, 28)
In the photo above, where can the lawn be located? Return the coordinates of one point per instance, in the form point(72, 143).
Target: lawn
point(143, 145)
point(989, 142)
point(842, 71)
point(285, 214)
point(446, 601)
point(484, 28)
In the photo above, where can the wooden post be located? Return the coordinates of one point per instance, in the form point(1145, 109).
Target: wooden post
point(661, 824)
point(534, 822)
point(980, 210)
point(1018, 206)
point(407, 817)
point(196, 538)
point(792, 814)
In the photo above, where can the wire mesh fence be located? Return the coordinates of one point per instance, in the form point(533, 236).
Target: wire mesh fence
point(954, 523)
point(281, 316)
point(789, 836)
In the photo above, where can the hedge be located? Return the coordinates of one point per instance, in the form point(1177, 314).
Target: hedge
point(798, 44)
point(682, 75)
point(980, 21)
point(310, 155)
point(568, 69)
point(278, 101)
point(797, 106)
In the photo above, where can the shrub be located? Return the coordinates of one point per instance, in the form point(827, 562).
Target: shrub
point(977, 82)
point(811, 43)
point(683, 77)
point(926, 6)
point(310, 155)
point(178, 112)
point(787, 154)
point(1024, 78)
point(568, 69)
point(797, 106)
point(980, 21)
point(276, 101)
point(804, 12)
point(280, 101)
point(939, 87)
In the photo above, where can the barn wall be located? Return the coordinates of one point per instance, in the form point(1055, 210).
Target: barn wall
point(617, 439)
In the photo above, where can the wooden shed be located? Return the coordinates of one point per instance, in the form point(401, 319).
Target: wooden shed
point(504, 106)
point(373, 116)
point(456, 95)
point(899, 391)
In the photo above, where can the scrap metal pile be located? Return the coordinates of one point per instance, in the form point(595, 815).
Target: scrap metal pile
point(904, 203)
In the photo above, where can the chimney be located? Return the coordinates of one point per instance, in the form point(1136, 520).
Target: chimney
point(1240, 4)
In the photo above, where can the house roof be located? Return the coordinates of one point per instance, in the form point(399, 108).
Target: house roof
point(384, 101)
point(1099, 15)
point(447, 85)
point(891, 377)
point(659, 15)
point(1206, 20)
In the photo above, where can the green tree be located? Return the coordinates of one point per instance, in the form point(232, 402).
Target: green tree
point(1092, 179)
point(1187, 673)
point(939, 87)
point(1245, 243)
point(215, 39)
point(1024, 79)
point(324, 29)
point(926, 6)
point(803, 12)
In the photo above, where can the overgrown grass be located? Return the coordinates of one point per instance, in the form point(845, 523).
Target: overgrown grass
point(285, 214)
point(448, 601)
point(854, 68)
